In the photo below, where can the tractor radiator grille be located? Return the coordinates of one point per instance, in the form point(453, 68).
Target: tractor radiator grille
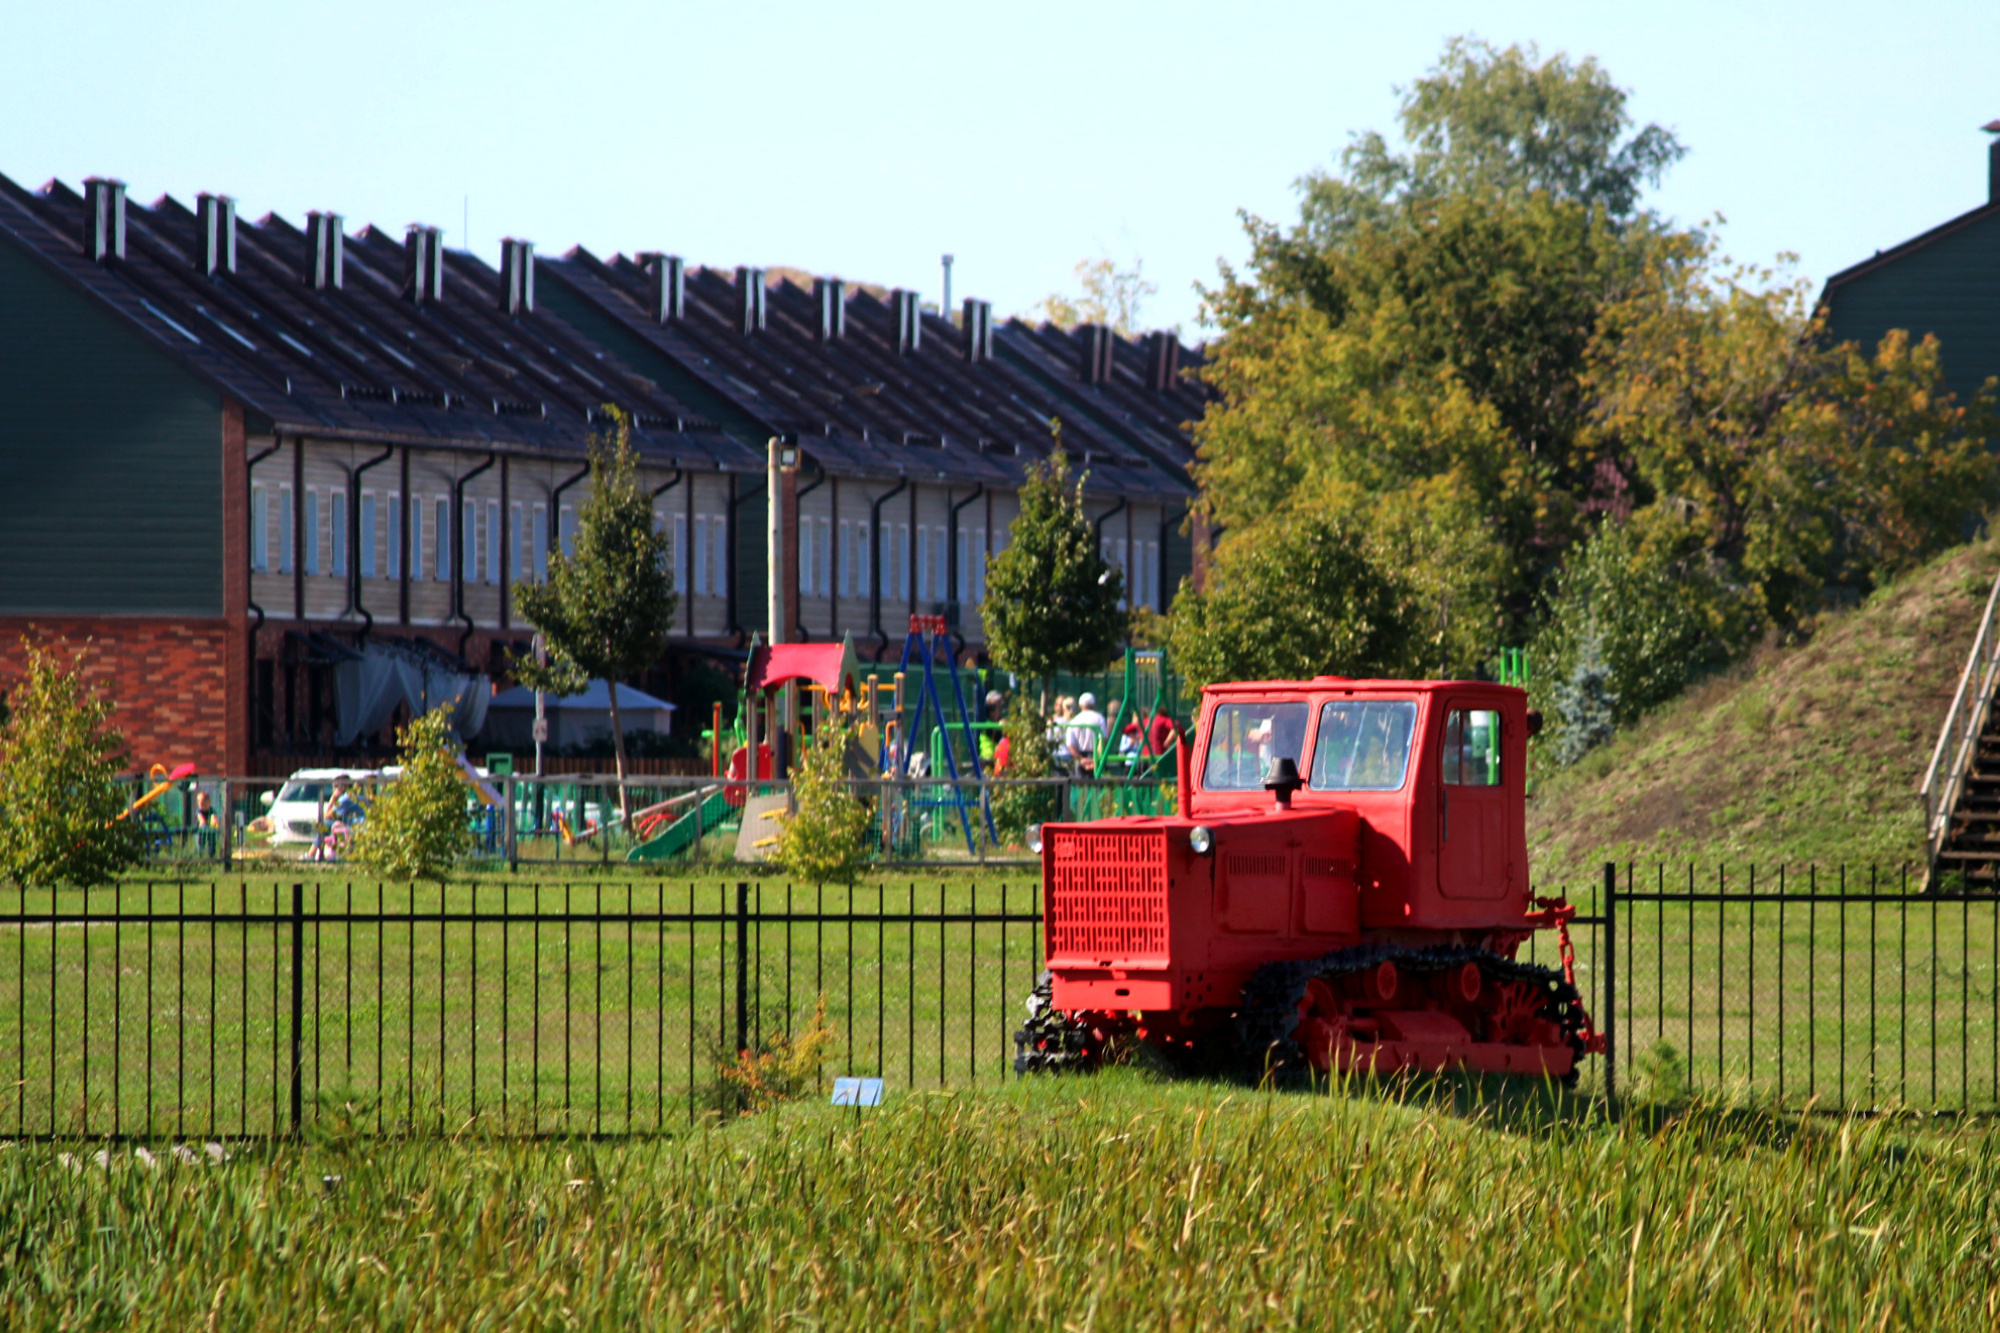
point(1108, 897)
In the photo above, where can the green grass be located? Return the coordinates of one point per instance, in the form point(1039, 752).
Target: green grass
point(1809, 753)
point(1105, 1203)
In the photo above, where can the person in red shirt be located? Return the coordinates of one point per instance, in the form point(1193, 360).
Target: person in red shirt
point(1159, 734)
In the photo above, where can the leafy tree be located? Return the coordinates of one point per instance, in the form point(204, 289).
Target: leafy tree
point(1029, 755)
point(1586, 702)
point(417, 827)
point(605, 610)
point(61, 806)
point(1109, 295)
point(826, 836)
point(1290, 600)
point(1051, 598)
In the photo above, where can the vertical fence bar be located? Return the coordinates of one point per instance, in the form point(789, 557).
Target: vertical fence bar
point(1750, 987)
point(1611, 988)
point(743, 966)
point(1812, 982)
point(84, 1090)
point(1843, 988)
point(1964, 997)
point(298, 1006)
point(1721, 973)
point(881, 977)
point(1874, 1096)
point(1782, 1043)
point(214, 966)
point(118, 1008)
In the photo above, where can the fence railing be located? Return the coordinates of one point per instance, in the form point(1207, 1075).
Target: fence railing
point(252, 1008)
point(232, 1010)
point(577, 819)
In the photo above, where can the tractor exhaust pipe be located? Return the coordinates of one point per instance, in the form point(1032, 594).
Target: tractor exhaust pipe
point(1183, 777)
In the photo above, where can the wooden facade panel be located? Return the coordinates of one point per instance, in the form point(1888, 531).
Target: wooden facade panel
point(110, 462)
point(1949, 286)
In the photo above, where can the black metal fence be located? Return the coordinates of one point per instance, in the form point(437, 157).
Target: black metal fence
point(224, 1010)
point(241, 1009)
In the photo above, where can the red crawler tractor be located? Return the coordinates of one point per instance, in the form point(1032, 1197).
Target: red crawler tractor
point(1345, 885)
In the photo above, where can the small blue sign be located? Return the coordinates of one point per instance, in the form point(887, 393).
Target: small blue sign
point(857, 1092)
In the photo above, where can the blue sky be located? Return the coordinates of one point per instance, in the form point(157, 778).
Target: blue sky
point(866, 140)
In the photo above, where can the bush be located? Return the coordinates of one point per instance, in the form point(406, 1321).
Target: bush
point(418, 826)
point(61, 807)
point(825, 839)
point(786, 1069)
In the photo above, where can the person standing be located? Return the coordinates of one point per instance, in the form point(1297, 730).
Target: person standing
point(1086, 733)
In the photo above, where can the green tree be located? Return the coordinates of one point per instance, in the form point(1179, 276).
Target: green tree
point(1106, 294)
point(1293, 599)
point(605, 610)
point(825, 838)
point(417, 826)
point(62, 810)
point(1051, 598)
point(1029, 755)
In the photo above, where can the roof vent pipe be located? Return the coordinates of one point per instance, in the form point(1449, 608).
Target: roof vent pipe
point(1097, 349)
point(103, 219)
point(667, 297)
point(978, 330)
point(909, 321)
point(1992, 127)
point(944, 303)
point(325, 241)
point(1163, 362)
point(750, 294)
point(215, 220)
point(830, 295)
point(517, 276)
point(423, 264)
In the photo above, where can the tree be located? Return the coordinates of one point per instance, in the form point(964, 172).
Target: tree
point(1586, 703)
point(605, 610)
point(1110, 295)
point(62, 811)
point(417, 827)
point(1029, 756)
point(1051, 598)
point(825, 838)
point(1293, 599)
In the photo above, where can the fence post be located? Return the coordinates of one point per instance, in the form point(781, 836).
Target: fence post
point(513, 828)
point(226, 817)
point(1610, 901)
point(298, 1005)
point(742, 966)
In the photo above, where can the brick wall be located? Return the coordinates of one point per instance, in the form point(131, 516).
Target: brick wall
point(169, 679)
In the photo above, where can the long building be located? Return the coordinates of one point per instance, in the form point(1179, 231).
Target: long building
point(268, 471)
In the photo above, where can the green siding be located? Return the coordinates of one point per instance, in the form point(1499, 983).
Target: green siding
point(110, 461)
point(1949, 287)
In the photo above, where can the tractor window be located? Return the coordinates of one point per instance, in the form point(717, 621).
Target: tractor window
point(1472, 747)
point(1243, 739)
point(1364, 744)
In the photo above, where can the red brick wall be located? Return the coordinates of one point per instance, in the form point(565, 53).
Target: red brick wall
point(169, 679)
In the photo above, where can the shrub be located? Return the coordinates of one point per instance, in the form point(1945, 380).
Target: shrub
point(417, 827)
point(825, 839)
point(786, 1069)
point(61, 807)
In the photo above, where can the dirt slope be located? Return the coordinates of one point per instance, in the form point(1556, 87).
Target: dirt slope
point(1804, 754)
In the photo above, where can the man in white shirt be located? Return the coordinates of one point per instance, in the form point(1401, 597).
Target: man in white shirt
point(1086, 732)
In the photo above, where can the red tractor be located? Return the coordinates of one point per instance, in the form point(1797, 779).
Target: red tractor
point(1344, 886)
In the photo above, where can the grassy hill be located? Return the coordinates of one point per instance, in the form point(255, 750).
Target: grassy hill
point(1803, 754)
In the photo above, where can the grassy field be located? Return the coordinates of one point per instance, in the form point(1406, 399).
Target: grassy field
point(1810, 753)
point(1101, 1203)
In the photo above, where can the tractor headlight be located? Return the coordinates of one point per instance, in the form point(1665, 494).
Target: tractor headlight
point(1200, 840)
point(1035, 839)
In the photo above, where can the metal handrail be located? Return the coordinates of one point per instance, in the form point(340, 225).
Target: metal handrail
point(1962, 725)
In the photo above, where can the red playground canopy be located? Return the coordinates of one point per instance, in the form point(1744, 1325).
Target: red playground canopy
point(831, 666)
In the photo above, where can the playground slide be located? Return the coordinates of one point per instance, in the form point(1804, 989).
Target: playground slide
point(709, 811)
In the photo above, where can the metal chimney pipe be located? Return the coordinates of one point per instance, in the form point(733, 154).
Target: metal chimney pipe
point(944, 306)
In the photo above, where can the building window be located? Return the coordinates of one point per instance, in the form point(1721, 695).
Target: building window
point(540, 567)
point(287, 548)
point(979, 564)
point(517, 544)
point(964, 582)
point(368, 526)
point(337, 531)
point(260, 529)
point(568, 531)
point(416, 569)
point(394, 536)
point(312, 531)
point(903, 563)
point(468, 518)
point(862, 556)
point(923, 563)
point(718, 563)
point(495, 536)
point(940, 555)
point(441, 539)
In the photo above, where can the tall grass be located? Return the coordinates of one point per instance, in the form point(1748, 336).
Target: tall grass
point(1100, 1203)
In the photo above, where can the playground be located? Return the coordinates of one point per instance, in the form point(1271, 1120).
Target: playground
point(925, 742)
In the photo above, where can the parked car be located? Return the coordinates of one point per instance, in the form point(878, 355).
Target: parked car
point(295, 812)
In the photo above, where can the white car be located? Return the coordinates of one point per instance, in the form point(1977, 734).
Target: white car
point(295, 814)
